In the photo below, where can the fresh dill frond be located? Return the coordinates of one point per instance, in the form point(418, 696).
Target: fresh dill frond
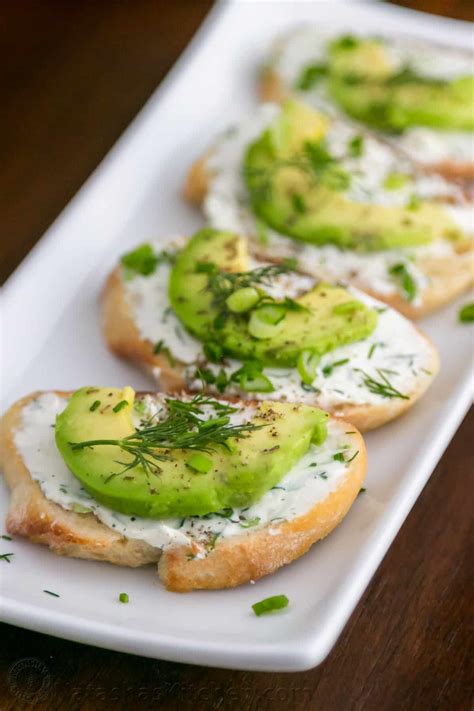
point(223, 284)
point(382, 387)
point(186, 426)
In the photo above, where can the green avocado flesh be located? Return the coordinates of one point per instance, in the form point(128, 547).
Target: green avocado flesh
point(361, 78)
point(237, 478)
point(318, 320)
point(301, 194)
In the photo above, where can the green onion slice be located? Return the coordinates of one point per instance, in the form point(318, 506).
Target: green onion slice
point(200, 463)
point(243, 299)
point(270, 604)
point(307, 364)
point(266, 321)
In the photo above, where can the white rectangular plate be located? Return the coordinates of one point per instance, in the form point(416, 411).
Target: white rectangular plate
point(52, 340)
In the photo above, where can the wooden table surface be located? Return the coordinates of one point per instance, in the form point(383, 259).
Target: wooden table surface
point(75, 74)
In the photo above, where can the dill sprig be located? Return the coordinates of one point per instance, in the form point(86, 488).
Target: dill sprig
point(186, 426)
point(382, 387)
point(223, 284)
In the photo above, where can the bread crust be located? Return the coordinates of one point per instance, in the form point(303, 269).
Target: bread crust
point(232, 562)
point(124, 340)
point(449, 276)
point(68, 533)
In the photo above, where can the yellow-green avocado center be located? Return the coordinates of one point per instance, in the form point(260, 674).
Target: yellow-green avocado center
point(235, 477)
point(302, 191)
point(273, 331)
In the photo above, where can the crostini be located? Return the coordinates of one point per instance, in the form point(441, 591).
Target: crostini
point(343, 202)
point(206, 312)
point(416, 93)
point(217, 493)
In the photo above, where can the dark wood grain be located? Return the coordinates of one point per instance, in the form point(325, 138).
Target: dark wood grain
point(75, 74)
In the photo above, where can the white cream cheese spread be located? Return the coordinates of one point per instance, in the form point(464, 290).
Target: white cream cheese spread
point(310, 481)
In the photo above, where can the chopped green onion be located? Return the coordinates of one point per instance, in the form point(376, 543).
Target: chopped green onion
point(407, 282)
point(6, 557)
point(94, 405)
point(142, 260)
point(307, 364)
point(320, 433)
point(213, 351)
point(49, 592)
point(339, 457)
point(243, 299)
point(256, 384)
point(466, 314)
point(310, 76)
point(347, 307)
point(200, 463)
point(356, 146)
point(249, 522)
point(252, 379)
point(414, 203)
point(123, 597)
point(120, 405)
point(298, 202)
point(395, 181)
point(266, 321)
point(269, 604)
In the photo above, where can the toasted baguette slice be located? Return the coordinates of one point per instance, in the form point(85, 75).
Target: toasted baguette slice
point(124, 339)
point(233, 561)
point(448, 276)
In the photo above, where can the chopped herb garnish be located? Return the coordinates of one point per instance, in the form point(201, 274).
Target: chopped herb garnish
point(251, 378)
point(339, 457)
point(353, 457)
point(123, 597)
point(327, 370)
point(184, 427)
point(6, 538)
point(213, 351)
point(200, 463)
point(466, 314)
point(414, 203)
point(269, 604)
point(356, 146)
point(310, 76)
point(406, 280)
point(249, 522)
point(382, 387)
point(298, 202)
point(345, 42)
point(362, 490)
point(94, 405)
point(120, 405)
point(49, 592)
point(371, 350)
point(6, 557)
point(143, 260)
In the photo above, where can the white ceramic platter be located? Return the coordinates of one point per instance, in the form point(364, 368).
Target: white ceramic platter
point(52, 340)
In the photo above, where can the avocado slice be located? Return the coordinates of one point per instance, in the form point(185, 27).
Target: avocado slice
point(363, 80)
point(232, 478)
point(274, 333)
point(304, 197)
